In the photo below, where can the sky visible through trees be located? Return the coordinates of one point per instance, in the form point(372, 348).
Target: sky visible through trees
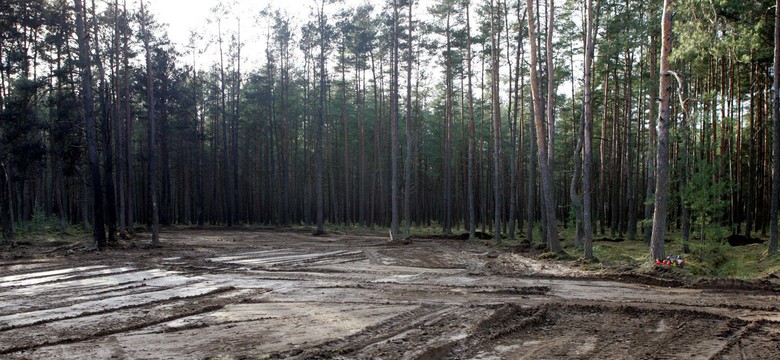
point(500, 117)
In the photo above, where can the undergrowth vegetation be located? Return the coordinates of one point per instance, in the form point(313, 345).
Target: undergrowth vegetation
point(711, 257)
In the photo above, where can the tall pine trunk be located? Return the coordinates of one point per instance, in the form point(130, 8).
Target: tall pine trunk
point(630, 177)
point(225, 159)
point(118, 133)
point(548, 205)
point(409, 140)
point(470, 185)
point(236, 118)
point(5, 200)
point(651, 141)
point(664, 121)
point(447, 213)
point(395, 142)
point(98, 228)
point(496, 107)
point(587, 138)
point(108, 151)
point(318, 160)
point(775, 137)
point(152, 131)
point(128, 134)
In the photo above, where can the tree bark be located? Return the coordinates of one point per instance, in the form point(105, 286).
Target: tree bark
point(664, 121)
point(447, 213)
point(128, 135)
point(225, 159)
point(550, 107)
point(98, 228)
point(152, 131)
point(496, 107)
point(319, 166)
point(409, 140)
point(603, 198)
point(236, 119)
point(395, 141)
point(470, 185)
point(651, 142)
point(513, 159)
point(344, 126)
point(548, 204)
point(587, 150)
point(108, 151)
point(5, 200)
point(775, 137)
point(630, 177)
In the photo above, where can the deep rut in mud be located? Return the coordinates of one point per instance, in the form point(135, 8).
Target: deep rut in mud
point(271, 294)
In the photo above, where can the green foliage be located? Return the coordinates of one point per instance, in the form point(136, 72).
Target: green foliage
point(44, 230)
point(631, 254)
point(706, 199)
point(716, 28)
point(39, 223)
point(708, 257)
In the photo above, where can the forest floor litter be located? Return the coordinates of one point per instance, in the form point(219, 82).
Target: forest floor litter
point(266, 294)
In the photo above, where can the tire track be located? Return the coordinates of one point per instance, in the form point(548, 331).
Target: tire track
point(370, 335)
point(21, 320)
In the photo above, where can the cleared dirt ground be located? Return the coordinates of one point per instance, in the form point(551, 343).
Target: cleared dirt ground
point(272, 294)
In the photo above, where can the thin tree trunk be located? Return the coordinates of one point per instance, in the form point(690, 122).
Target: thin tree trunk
point(152, 131)
point(496, 107)
point(531, 190)
point(447, 228)
point(550, 107)
point(395, 141)
point(199, 118)
point(319, 166)
point(128, 135)
point(664, 121)
point(683, 169)
point(98, 230)
point(472, 225)
point(362, 193)
point(513, 160)
point(5, 200)
point(236, 119)
point(651, 141)
point(775, 137)
point(749, 206)
point(631, 178)
point(409, 157)
point(553, 243)
point(118, 133)
point(587, 163)
point(344, 127)
point(108, 151)
point(604, 200)
point(164, 166)
point(225, 158)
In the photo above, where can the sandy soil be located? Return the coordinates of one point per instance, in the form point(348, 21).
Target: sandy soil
point(273, 294)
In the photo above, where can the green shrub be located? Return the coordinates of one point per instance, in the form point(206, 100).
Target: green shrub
point(39, 223)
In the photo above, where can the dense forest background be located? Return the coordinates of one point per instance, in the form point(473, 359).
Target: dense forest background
point(468, 115)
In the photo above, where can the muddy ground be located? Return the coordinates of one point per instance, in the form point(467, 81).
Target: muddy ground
point(274, 294)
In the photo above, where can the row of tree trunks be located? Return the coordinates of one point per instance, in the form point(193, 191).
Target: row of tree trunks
point(462, 175)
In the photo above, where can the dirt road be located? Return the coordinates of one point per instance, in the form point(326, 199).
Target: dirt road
point(270, 294)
